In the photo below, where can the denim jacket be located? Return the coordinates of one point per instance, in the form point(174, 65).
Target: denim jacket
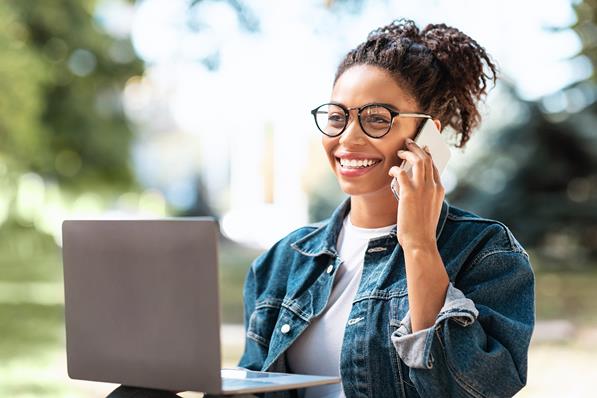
point(477, 347)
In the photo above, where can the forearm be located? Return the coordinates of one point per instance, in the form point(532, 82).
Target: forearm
point(468, 352)
point(427, 282)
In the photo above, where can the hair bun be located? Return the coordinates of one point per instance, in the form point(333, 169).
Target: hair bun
point(399, 28)
point(459, 53)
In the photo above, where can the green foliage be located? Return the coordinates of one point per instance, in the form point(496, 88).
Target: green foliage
point(22, 77)
point(61, 76)
point(536, 176)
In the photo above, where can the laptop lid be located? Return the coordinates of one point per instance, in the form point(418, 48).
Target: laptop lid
point(141, 297)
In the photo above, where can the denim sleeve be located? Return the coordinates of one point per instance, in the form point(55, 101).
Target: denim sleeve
point(478, 346)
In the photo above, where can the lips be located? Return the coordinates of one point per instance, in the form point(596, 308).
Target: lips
point(353, 165)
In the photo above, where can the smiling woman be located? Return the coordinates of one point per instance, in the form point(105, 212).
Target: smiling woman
point(409, 297)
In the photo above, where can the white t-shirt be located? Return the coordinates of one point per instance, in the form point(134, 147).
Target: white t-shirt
point(317, 350)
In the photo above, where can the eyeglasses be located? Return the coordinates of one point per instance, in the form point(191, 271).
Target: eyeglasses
point(375, 119)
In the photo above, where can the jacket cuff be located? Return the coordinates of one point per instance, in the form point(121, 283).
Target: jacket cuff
point(415, 348)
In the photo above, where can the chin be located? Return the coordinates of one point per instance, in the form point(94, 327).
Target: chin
point(353, 189)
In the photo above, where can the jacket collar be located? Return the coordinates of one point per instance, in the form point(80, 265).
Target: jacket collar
point(323, 239)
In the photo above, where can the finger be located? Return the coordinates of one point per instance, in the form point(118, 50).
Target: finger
point(436, 176)
point(408, 156)
point(401, 176)
point(419, 171)
point(422, 154)
point(415, 148)
point(433, 170)
point(439, 188)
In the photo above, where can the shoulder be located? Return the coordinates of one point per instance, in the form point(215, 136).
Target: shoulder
point(464, 228)
point(482, 250)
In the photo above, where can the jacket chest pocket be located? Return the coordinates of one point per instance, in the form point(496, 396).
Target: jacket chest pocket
point(263, 320)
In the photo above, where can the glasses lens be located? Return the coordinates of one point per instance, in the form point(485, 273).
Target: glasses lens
point(376, 120)
point(330, 119)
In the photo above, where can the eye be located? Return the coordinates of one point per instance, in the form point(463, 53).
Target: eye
point(376, 116)
point(336, 118)
point(377, 119)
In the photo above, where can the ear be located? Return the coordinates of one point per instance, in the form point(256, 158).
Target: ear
point(438, 124)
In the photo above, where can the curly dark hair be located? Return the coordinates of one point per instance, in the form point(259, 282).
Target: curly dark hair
point(445, 70)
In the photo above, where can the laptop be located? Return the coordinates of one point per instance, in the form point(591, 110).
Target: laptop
point(142, 308)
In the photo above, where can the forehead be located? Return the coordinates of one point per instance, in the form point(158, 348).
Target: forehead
point(363, 84)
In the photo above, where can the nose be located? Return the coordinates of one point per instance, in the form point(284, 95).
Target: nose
point(353, 134)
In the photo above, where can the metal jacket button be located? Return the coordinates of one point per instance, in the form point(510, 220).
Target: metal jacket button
point(330, 269)
point(285, 328)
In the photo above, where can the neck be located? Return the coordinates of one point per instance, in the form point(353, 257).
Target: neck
point(373, 211)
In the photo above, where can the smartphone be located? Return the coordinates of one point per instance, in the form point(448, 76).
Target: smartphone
point(430, 137)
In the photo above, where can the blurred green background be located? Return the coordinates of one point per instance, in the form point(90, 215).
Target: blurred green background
point(72, 144)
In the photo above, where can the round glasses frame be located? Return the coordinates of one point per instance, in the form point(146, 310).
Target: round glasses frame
point(393, 113)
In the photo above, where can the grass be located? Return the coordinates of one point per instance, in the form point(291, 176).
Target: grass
point(29, 329)
point(567, 295)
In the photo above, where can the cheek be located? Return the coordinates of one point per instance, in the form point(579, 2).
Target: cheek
point(328, 145)
point(391, 149)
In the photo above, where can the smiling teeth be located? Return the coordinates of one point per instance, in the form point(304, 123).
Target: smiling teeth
point(357, 163)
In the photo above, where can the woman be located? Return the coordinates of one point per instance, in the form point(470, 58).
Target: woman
point(409, 297)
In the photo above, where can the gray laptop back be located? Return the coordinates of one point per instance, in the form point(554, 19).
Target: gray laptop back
point(141, 302)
